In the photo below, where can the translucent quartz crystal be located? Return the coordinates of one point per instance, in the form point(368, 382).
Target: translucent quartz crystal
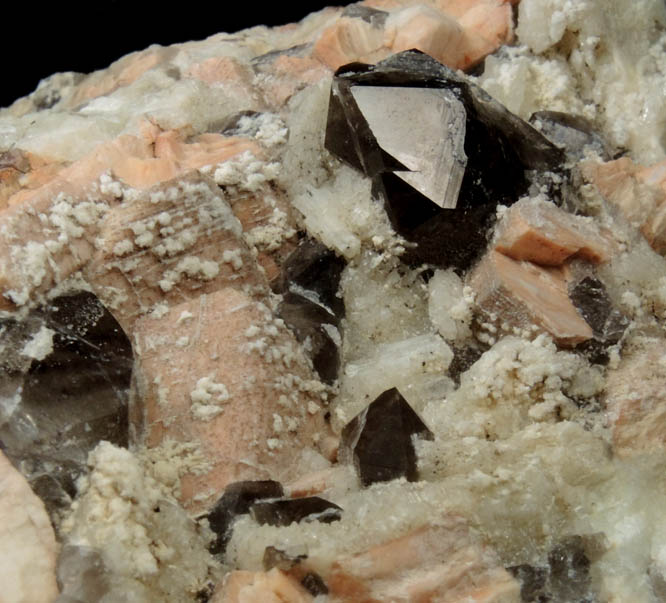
point(378, 441)
point(69, 400)
point(430, 147)
point(82, 576)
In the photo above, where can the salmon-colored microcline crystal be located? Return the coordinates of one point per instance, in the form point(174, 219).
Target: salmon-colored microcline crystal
point(438, 562)
point(538, 231)
point(521, 294)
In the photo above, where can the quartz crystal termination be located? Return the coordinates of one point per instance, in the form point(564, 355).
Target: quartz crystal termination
point(441, 152)
point(378, 441)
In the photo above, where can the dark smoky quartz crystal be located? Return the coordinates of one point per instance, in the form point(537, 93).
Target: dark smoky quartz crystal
point(286, 512)
point(314, 270)
point(54, 411)
point(311, 306)
point(314, 326)
point(608, 324)
point(441, 152)
point(236, 500)
point(378, 441)
point(532, 582)
point(570, 570)
point(566, 576)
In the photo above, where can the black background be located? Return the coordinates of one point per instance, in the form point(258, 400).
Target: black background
point(38, 39)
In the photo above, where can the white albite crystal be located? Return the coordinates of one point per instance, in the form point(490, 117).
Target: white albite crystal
point(127, 516)
point(40, 345)
point(611, 67)
point(449, 305)
point(402, 364)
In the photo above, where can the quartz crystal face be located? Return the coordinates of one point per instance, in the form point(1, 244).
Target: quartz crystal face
point(73, 395)
point(311, 307)
point(441, 152)
point(378, 441)
point(422, 129)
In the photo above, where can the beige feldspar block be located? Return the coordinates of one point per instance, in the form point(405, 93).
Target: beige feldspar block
point(429, 31)
point(440, 562)
point(121, 73)
point(52, 231)
point(28, 547)
point(540, 232)
point(349, 40)
point(522, 294)
point(287, 75)
point(273, 586)
point(639, 192)
point(636, 400)
point(221, 372)
point(492, 20)
point(172, 243)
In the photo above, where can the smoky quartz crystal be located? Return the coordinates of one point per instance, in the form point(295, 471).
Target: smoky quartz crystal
point(441, 152)
point(378, 441)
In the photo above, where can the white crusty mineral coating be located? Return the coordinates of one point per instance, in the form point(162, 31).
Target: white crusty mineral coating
point(600, 58)
point(139, 529)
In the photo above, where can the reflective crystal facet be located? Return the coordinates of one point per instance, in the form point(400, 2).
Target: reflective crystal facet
point(311, 307)
point(608, 324)
point(378, 441)
point(430, 147)
point(82, 575)
point(237, 500)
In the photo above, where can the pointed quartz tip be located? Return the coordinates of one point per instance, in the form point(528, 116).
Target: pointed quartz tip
point(286, 512)
point(237, 500)
point(379, 439)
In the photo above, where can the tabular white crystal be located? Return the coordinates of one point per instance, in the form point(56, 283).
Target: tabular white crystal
point(399, 364)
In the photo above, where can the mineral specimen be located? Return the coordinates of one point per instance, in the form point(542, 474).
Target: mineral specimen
point(272, 289)
point(378, 441)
